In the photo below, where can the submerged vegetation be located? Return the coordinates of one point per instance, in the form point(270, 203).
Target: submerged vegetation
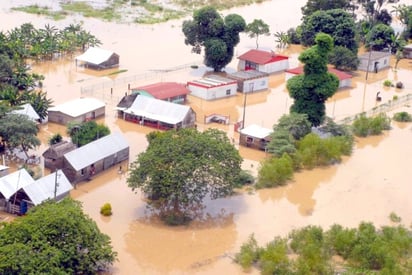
point(339, 250)
point(137, 11)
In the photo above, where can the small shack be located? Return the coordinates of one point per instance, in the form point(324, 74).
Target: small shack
point(407, 51)
point(94, 157)
point(168, 91)
point(250, 81)
point(98, 59)
point(19, 191)
point(78, 110)
point(28, 110)
point(213, 87)
point(159, 114)
point(53, 156)
point(255, 136)
point(263, 61)
point(374, 61)
point(345, 79)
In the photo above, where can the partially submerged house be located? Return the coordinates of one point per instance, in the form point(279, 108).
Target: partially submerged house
point(345, 79)
point(28, 110)
point(255, 136)
point(53, 156)
point(78, 110)
point(19, 191)
point(4, 170)
point(94, 157)
point(213, 87)
point(168, 91)
point(374, 61)
point(407, 51)
point(97, 58)
point(158, 114)
point(263, 61)
point(250, 81)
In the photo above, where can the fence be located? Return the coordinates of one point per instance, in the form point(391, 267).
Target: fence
point(385, 107)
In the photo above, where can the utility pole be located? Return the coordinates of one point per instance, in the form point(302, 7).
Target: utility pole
point(251, 86)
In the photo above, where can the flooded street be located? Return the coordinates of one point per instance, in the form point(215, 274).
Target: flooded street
point(366, 186)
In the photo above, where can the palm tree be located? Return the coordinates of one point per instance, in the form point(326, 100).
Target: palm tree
point(39, 102)
point(282, 39)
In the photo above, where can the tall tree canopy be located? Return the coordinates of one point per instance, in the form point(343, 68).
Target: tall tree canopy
point(86, 132)
point(54, 238)
point(311, 89)
point(18, 131)
point(323, 5)
point(180, 168)
point(216, 34)
point(337, 23)
point(256, 28)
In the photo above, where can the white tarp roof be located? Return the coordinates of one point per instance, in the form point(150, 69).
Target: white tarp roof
point(158, 110)
point(77, 107)
point(95, 55)
point(256, 131)
point(97, 150)
point(13, 182)
point(27, 110)
point(43, 188)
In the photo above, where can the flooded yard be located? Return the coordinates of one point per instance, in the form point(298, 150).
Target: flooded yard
point(366, 186)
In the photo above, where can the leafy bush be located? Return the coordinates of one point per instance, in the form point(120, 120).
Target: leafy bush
point(394, 218)
point(274, 258)
point(106, 209)
point(364, 126)
point(249, 253)
point(245, 177)
point(275, 172)
point(387, 83)
point(402, 117)
point(56, 138)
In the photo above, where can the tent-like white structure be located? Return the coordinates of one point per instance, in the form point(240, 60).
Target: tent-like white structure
point(97, 58)
point(29, 111)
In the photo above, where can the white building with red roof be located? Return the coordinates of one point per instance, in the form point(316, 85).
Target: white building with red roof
point(345, 79)
point(263, 61)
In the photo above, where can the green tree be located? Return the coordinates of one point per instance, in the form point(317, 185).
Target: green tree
point(316, 85)
point(54, 238)
point(39, 101)
point(379, 37)
point(218, 36)
point(180, 168)
point(86, 132)
point(312, 6)
point(256, 28)
point(56, 138)
point(343, 59)
point(18, 131)
point(338, 23)
point(275, 172)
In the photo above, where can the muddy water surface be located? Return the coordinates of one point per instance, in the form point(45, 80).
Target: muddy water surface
point(366, 186)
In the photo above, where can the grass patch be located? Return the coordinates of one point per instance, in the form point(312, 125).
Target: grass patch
point(108, 13)
point(117, 72)
point(42, 10)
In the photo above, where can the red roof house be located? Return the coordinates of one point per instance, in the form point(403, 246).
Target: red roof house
point(345, 79)
point(263, 61)
point(168, 91)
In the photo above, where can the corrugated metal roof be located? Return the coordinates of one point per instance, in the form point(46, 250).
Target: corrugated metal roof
point(164, 90)
point(262, 57)
point(27, 110)
point(77, 107)
point(250, 74)
point(211, 81)
point(158, 110)
point(97, 150)
point(256, 131)
point(43, 188)
point(95, 55)
point(374, 55)
point(13, 182)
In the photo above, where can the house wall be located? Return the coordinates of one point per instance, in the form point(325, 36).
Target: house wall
point(407, 52)
point(345, 83)
point(253, 142)
point(241, 65)
point(190, 119)
point(274, 67)
point(381, 64)
point(213, 92)
point(53, 164)
point(76, 176)
point(259, 84)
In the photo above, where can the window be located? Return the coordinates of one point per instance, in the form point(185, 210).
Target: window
point(228, 92)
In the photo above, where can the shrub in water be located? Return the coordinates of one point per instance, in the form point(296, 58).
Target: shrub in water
point(106, 209)
point(402, 117)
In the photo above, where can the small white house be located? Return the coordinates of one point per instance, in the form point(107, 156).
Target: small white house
point(345, 79)
point(255, 136)
point(250, 81)
point(263, 61)
point(374, 61)
point(213, 87)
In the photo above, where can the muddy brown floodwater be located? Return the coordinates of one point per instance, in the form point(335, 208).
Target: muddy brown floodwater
point(366, 186)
